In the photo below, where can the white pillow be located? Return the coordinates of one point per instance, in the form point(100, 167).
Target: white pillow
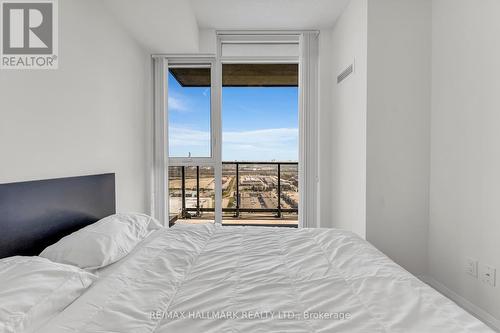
point(102, 243)
point(34, 289)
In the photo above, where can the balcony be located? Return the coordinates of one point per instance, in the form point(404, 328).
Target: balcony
point(253, 193)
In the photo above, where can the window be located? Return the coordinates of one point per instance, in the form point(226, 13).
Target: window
point(191, 101)
point(260, 112)
point(189, 108)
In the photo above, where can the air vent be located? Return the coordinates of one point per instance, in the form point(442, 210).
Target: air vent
point(348, 71)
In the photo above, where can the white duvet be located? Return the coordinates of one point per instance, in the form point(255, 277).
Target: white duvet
point(207, 278)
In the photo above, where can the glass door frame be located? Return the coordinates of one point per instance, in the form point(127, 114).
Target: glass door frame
point(308, 119)
point(259, 38)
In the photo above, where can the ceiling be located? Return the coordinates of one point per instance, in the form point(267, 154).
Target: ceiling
point(267, 14)
point(160, 26)
point(172, 26)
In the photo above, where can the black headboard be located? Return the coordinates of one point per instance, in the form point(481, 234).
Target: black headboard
point(36, 214)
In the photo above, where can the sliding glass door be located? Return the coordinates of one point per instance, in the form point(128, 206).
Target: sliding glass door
point(236, 133)
point(260, 143)
point(234, 162)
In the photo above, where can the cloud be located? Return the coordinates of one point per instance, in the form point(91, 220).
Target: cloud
point(265, 144)
point(176, 103)
point(184, 137)
point(264, 136)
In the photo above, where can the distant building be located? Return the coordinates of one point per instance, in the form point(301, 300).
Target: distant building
point(255, 183)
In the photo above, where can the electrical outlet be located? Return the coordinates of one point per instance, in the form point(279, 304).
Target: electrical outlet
point(488, 275)
point(471, 267)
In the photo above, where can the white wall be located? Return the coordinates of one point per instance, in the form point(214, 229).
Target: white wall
point(160, 26)
point(465, 146)
point(380, 127)
point(348, 122)
point(207, 41)
point(398, 129)
point(87, 117)
point(324, 127)
point(432, 152)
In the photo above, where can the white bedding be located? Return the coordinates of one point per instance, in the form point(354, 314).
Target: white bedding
point(206, 278)
point(34, 289)
point(102, 243)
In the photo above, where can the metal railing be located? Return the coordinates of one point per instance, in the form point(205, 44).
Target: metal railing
point(278, 210)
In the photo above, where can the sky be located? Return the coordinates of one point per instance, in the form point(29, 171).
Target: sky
point(258, 124)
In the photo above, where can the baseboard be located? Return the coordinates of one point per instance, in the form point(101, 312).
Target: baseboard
point(473, 309)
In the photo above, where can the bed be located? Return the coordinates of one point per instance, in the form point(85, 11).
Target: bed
point(210, 278)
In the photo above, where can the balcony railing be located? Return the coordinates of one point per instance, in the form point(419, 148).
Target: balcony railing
point(255, 180)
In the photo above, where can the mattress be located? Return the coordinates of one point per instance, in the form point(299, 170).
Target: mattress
point(209, 278)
